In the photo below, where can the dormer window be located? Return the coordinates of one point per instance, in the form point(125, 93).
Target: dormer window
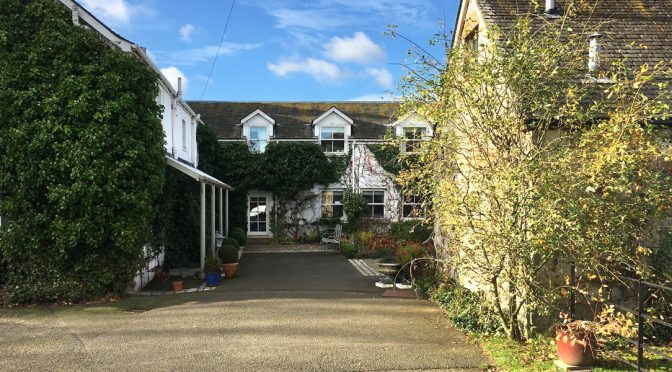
point(258, 130)
point(411, 130)
point(333, 128)
point(258, 139)
point(413, 137)
point(332, 139)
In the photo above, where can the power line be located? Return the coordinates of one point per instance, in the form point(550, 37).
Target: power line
point(221, 41)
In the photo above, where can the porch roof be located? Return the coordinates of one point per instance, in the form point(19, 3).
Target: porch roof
point(196, 174)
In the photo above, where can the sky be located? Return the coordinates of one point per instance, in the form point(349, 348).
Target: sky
point(279, 50)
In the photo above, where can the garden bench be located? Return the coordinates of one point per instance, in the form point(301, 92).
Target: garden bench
point(332, 236)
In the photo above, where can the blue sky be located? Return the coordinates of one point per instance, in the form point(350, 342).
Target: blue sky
point(273, 50)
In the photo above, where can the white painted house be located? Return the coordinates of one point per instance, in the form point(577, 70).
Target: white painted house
point(179, 123)
point(342, 129)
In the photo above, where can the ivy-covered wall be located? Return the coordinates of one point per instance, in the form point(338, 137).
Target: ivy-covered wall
point(81, 157)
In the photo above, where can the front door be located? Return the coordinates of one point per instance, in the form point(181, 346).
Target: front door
point(257, 213)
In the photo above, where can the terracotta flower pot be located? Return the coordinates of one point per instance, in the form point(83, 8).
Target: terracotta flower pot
point(230, 269)
point(575, 348)
point(178, 285)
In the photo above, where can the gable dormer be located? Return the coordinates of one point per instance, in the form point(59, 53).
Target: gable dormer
point(333, 129)
point(258, 129)
point(411, 129)
point(470, 28)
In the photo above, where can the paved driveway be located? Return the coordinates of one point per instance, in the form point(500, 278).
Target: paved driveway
point(283, 312)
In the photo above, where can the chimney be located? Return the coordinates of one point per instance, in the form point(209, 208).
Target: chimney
point(550, 7)
point(179, 86)
point(594, 53)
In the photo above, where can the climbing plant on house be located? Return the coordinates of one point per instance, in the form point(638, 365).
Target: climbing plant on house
point(81, 157)
point(533, 161)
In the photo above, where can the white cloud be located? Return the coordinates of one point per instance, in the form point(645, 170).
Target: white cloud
point(186, 31)
point(172, 73)
point(382, 76)
point(305, 18)
point(115, 10)
point(359, 48)
point(319, 69)
point(204, 54)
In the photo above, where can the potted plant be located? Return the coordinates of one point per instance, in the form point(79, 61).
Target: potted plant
point(576, 341)
point(389, 265)
point(178, 285)
point(228, 253)
point(212, 267)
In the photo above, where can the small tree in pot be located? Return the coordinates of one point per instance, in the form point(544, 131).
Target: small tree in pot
point(229, 256)
point(212, 267)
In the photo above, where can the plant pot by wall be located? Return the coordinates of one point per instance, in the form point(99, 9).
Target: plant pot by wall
point(575, 349)
point(178, 285)
point(212, 280)
point(230, 269)
point(389, 269)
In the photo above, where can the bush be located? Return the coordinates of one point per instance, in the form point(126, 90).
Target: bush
point(230, 241)
point(465, 309)
point(240, 236)
point(349, 250)
point(81, 157)
point(363, 238)
point(410, 231)
point(228, 253)
point(212, 265)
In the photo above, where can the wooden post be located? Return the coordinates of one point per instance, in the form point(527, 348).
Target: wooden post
point(226, 215)
point(212, 219)
point(202, 227)
point(221, 214)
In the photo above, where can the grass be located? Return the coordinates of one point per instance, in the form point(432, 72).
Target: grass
point(538, 355)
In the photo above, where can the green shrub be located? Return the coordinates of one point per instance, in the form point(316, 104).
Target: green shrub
point(212, 265)
point(349, 250)
point(465, 309)
point(230, 241)
point(81, 157)
point(228, 253)
point(410, 231)
point(240, 235)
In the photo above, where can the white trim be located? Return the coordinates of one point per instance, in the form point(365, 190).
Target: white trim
point(196, 173)
point(255, 113)
point(337, 112)
point(268, 207)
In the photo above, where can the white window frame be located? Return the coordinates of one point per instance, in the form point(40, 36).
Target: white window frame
point(345, 139)
point(416, 141)
point(250, 140)
point(372, 204)
point(417, 205)
point(323, 204)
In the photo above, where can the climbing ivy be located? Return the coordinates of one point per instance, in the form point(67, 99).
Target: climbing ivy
point(81, 157)
point(391, 158)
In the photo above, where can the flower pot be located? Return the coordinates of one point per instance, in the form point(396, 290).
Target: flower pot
point(178, 285)
point(575, 348)
point(212, 279)
point(230, 269)
point(389, 269)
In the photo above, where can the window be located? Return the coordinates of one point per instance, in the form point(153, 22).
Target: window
point(258, 139)
point(376, 201)
point(471, 41)
point(184, 134)
point(413, 137)
point(332, 204)
point(332, 139)
point(412, 206)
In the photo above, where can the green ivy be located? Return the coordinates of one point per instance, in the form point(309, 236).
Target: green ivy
point(81, 157)
point(389, 157)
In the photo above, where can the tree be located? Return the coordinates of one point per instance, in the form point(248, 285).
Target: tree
point(533, 161)
point(81, 157)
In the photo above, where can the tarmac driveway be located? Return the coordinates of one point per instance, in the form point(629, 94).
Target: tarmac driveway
point(284, 312)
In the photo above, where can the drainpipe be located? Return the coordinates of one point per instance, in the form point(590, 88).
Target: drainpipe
point(550, 7)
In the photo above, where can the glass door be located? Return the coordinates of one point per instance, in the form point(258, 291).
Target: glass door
point(257, 214)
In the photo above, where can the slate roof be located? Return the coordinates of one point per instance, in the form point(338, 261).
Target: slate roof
point(645, 22)
point(293, 119)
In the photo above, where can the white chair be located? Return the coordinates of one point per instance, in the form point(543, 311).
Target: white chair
point(333, 236)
